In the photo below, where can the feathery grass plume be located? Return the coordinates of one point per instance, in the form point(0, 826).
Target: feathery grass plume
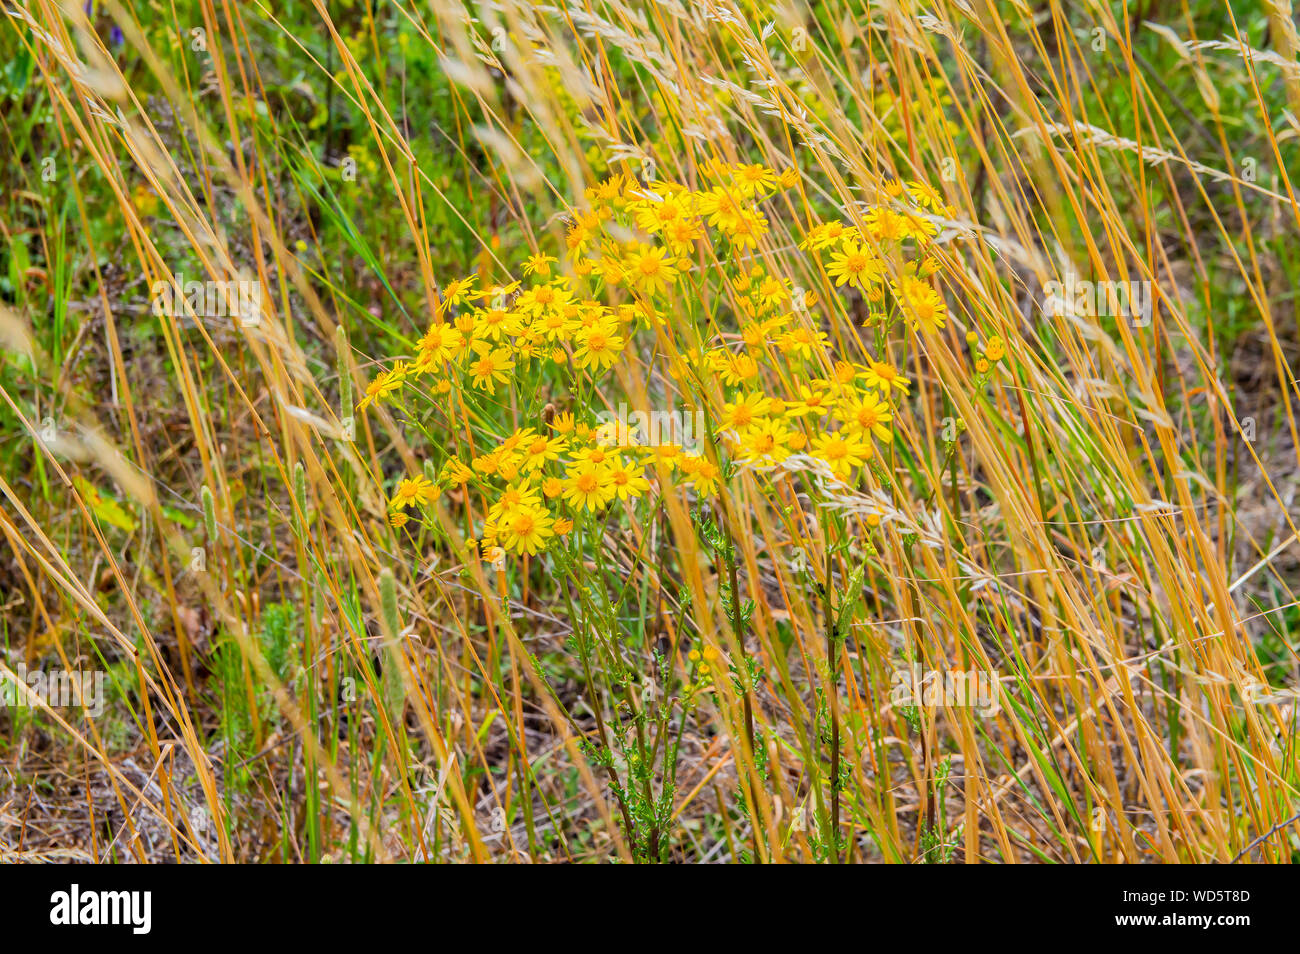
point(389, 614)
point(393, 658)
point(209, 512)
point(343, 366)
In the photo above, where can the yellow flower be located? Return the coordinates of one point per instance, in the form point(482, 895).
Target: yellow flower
point(846, 372)
point(996, 349)
point(537, 299)
point(867, 416)
point(885, 225)
point(704, 475)
point(384, 384)
point(539, 450)
point(738, 369)
point(723, 208)
point(563, 423)
point(884, 377)
point(589, 486)
point(667, 456)
point(767, 443)
point(453, 293)
point(740, 415)
point(802, 342)
point(492, 366)
point(455, 472)
point(747, 230)
point(855, 265)
point(814, 400)
point(926, 196)
point(562, 527)
point(415, 490)
point(514, 499)
point(538, 265)
point(923, 307)
point(440, 343)
point(823, 236)
point(628, 480)
point(681, 236)
point(647, 270)
point(598, 346)
point(655, 216)
point(495, 322)
point(552, 487)
point(982, 366)
point(527, 530)
point(398, 518)
point(841, 452)
point(753, 179)
point(596, 454)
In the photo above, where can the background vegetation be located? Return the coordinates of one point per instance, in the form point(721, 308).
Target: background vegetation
point(1104, 519)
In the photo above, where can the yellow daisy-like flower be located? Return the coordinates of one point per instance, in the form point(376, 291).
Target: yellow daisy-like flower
point(682, 234)
point(596, 454)
point(598, 346)
point(454, 293)
point(886, 225)
point(704, 474)
point(514, 499)
point(491, 367)
point(456, 473)
point(766, 443)
point(856, 266)
point(802, 342)
point(628, 480)
point(841, 452)
point(742, 414)
point(648, 270)
point(589, 486)
point(747, 230)
point(922, 305)
point(540, 449)
point(667, 456)
point(656, 216)
point(814, 400)
point(753, 179)
point(723, 208)
point(537, 299)
point(384, 384)
point(738, 369)
point(996, 349)
point(824, 236)
point(883, 377)
point(412, 491)
point(538, 265)
point(440, 343)
point(492, 323)
point(867, 416)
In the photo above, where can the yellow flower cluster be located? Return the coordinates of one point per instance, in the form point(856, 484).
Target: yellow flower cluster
point(631, 245)
point(574, 467)
point(873, 257)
